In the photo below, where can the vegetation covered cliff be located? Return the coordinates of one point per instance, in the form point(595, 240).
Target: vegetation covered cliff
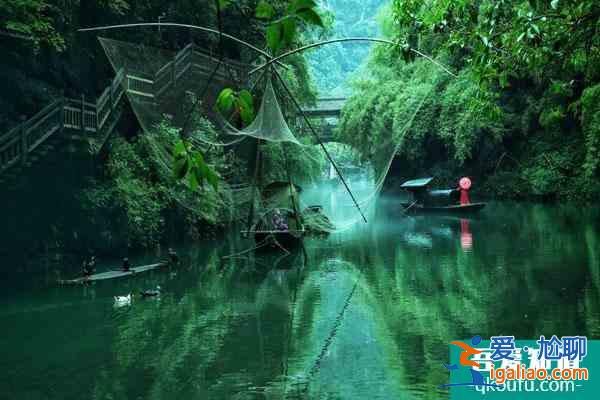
point(128, 197)
point(521, 116)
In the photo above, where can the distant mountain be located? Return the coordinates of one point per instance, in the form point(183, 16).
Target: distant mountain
point(333, 65)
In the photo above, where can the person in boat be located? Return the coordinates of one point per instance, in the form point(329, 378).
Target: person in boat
point(173, 257)
point(89, 266)
point(126, 266)
point(278, 221)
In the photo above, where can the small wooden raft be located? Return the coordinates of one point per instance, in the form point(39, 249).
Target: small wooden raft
point(112, 274)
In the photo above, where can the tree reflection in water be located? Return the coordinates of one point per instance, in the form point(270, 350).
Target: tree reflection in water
point(369, 315)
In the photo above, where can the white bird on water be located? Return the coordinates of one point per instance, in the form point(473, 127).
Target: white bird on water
point(121, 301)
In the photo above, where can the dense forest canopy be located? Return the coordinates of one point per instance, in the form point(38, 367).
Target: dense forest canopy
point(522, 114)
point(131, 197)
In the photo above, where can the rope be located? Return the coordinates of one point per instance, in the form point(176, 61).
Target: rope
point(338, 322)
point(257, 246)
point(320, 143)
point(409, 207)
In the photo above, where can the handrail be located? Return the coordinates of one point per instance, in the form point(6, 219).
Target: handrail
point(41, 113)
point(10, 134)
point(182, 52)
point(70, 113)
point(86, 116)
point(163, 68)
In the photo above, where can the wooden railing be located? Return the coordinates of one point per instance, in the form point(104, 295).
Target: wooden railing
point(109, 99)
point(187, 60)
point(64, 113)
point(22, 140)
point(91, 117)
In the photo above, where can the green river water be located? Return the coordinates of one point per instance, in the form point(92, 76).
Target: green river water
point(366, 313)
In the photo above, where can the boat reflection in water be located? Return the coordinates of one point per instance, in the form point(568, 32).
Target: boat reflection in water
point(466, 237)
point(369, 315)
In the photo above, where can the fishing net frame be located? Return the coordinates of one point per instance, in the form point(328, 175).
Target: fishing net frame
point(271, 126)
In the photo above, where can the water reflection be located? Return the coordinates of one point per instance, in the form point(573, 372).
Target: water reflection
point(367, 313)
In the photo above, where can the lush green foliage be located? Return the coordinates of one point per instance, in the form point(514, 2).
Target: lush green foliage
point(590, 118)
point(333, 66)
point(304, 163)
point(521, 116)
point(46, 56)
point(141, 194)
point(281, 31)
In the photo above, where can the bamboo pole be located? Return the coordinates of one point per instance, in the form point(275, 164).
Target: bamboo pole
point(351, 39)
point(312, 130)
point(201, 28)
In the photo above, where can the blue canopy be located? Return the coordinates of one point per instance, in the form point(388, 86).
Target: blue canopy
point(416, 183)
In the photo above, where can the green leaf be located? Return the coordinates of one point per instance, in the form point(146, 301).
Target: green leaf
point(181, 169)
point(225, 100)
point(246, 98)
point(212, 178)
point(503, 80)
point(274, 36)
point(247, 114)
point(311, 17)
point(289, 30)
point(264, 10)
point(554, 4)
point(199, 160)
point(193, 182)
point(223, 4)
point(300, 5)
point(179, 148)
point(18, 26)
point(246, 107)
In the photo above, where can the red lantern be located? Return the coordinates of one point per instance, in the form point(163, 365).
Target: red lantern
point(465, 185)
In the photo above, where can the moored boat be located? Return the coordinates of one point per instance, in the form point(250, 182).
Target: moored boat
point(454, 208)
point(450, 201)
point(112, 274)
point(278, 227)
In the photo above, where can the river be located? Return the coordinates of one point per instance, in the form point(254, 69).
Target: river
point(365, 313)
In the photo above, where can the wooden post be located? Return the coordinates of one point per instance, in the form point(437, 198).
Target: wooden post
point(82, 114)
point(24, 147)
point(174, 71)
point(61, 114)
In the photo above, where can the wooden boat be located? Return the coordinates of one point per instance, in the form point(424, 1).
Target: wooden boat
point(278, 224)
point(438, 201)
point(265, 232)
point(112, 274)
point(450, 209)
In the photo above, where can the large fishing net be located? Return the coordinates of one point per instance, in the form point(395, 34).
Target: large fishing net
point(282, 168)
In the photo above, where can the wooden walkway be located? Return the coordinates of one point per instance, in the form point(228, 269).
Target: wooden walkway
point(89, 120)
point(94, 121)
point(326, 107)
